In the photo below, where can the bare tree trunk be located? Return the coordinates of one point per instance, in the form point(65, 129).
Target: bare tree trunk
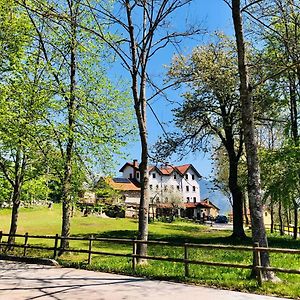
point(237, 201)
point(272, 215)
point(254, 188)
point(295, 231)
point(14, 215)
point(245, 198)
point(17, 182)
point(144, 204)
point(140, 104)
point(287, 215)
point(144, 201)
point(280, 218)
point(67, 191)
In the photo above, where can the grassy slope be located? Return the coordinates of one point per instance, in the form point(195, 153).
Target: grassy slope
point(45, 221)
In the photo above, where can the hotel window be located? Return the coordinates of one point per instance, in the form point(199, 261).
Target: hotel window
point(194, 189)
point(187, 188)
point(187, 199)
point(153, 175)
point(174, 176)
point(151, 186)
point(178, 187)
point(193, 176)
point(130, 175)
point(137, 174)
point(186, 176)
point(194, 199)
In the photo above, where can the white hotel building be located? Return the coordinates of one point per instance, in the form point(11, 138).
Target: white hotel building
point(165, 181)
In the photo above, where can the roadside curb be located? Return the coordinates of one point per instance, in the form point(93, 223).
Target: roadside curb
point(31, 260)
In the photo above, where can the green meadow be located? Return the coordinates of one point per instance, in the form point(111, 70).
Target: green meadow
point(42, 221)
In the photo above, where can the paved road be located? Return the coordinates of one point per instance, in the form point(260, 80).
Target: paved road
point(25, 281)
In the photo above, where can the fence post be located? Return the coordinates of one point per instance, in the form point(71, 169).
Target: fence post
point(186, 264)
point(25, 243)
point(134, 250)
point(1, 234)
point(55, 247)
point(257, 262)
point(90, 249)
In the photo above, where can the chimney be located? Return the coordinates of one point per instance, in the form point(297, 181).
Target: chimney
point(135, 163)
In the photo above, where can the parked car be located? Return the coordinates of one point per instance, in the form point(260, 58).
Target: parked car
point(221, 219)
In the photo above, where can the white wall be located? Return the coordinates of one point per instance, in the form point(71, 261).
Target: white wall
point(127, 171)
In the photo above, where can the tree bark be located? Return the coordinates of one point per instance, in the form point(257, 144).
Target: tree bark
point(235, 190)
point(272, 215)
point(280, 218)
point(295, 231)
point(67, 191)
point(140, 104)
point(17, 182)
point(254, 188)
point(237, 200)
point(14, 214)
point(245, 198)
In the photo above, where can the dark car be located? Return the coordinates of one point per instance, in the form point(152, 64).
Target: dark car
point(221, 219)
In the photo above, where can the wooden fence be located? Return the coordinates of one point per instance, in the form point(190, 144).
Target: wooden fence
point(256, 250)
point(287, 229)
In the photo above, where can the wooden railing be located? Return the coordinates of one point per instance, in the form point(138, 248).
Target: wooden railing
point(287, 229)
point(256, 250)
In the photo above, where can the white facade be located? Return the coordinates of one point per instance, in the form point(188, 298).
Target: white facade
point(171, 182)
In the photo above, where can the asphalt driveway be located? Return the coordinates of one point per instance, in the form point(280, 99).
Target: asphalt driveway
point(28, 281)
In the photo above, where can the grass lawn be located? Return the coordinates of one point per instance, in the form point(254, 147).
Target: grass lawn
point(47, 222)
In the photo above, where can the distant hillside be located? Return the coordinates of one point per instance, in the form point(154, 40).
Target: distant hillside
point(208, 190)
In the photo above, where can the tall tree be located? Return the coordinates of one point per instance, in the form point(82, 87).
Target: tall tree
point(86, 120)
point(246, 97)
point(142, 29)
point(22, 110)
point(211, 109)
point(22, 104)
point(283, 51)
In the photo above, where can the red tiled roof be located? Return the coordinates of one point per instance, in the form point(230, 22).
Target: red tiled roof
point(170, 205)
point(205, 205)
point(183, 169)
point(197, 204)
point(167, 170)
point(190, 205)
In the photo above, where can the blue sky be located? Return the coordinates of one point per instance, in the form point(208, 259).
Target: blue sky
point(213, 15)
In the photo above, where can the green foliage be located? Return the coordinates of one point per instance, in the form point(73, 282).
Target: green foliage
point(36, 189)
point(212, 100)
point(103, 121)
point(23, 104)
point(14, 36)
point(281, 169)
point(105, 193)
point(5, 189)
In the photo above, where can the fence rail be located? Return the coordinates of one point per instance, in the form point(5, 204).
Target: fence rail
point(286, 229)
point(256, 250)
